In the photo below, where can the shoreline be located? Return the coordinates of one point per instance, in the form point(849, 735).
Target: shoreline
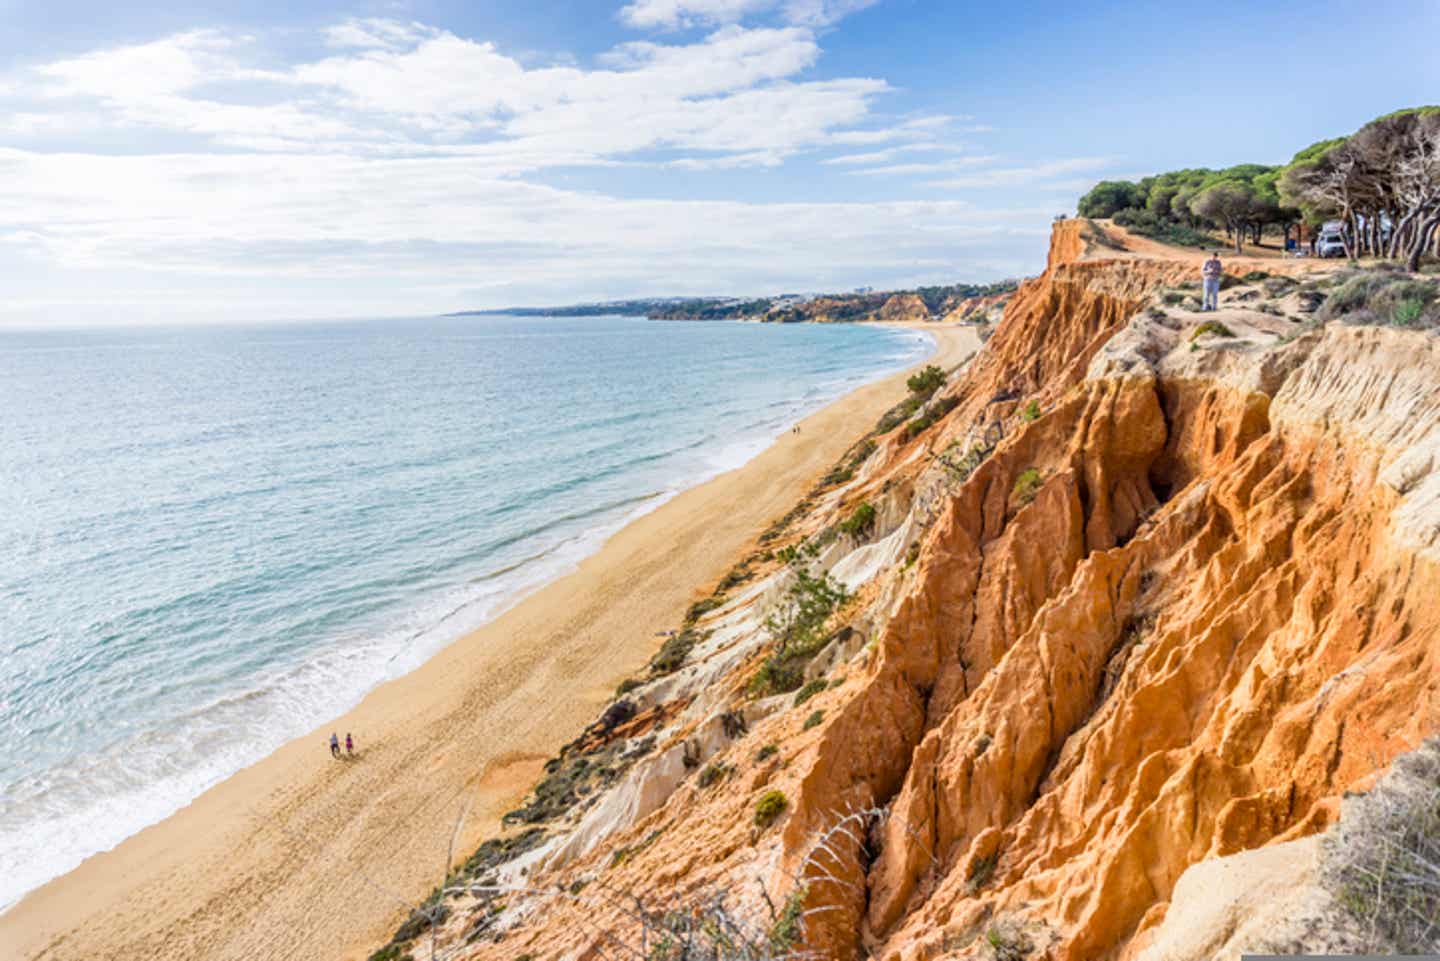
point(298, 856)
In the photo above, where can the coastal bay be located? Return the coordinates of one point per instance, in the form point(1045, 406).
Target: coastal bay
point(298, 856)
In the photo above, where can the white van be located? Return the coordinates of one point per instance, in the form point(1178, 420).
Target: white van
point(1331, 240)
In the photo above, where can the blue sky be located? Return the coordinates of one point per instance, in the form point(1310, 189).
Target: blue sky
point(255, 161)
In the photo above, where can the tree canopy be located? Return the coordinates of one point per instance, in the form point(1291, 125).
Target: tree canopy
point(1383, 181)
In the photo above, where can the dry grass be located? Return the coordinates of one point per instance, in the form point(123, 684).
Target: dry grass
point(1382, 861)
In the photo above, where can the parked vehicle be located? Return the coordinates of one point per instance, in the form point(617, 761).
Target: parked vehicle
point(1330, 242)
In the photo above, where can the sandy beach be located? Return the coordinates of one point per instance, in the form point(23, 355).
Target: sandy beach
point(301, 857)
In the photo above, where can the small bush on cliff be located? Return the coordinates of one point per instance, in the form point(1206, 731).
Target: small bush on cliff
point(861, 521)
point(1212, 328)
point(1008, 942)
point(935, 411)
point(675, 651)
point(767, 752)
point(1031, 413)
point(700, 608)
point(798, 627)
point(771, 805)
point(1382, 861)
point(927, 382)
point(713, 774)
point(810, 690)
point(898, 414)
point(1027, 485)
point(790, 924)
point(813, 720)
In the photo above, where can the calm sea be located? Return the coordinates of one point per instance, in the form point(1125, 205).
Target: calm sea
point(213, 540)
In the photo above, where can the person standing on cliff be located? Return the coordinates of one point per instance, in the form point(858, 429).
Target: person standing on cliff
point(1210, 276)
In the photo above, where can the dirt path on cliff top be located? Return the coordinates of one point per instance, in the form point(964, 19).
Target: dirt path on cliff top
point(301, 857)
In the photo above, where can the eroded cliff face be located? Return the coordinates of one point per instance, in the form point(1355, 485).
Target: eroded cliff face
point(1138, 599)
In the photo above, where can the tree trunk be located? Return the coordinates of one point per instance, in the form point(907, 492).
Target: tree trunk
point(1422, 240)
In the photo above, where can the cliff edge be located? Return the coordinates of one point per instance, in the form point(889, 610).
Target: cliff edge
point(1139, 592)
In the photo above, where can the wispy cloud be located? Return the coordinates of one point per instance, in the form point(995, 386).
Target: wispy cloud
point(1025, 175)
point(677, 14)
point(408, 159)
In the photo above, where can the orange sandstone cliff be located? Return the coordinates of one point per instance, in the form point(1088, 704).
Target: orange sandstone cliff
point(1126, 596)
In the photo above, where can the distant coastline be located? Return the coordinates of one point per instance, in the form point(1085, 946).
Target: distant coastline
point(951, 302)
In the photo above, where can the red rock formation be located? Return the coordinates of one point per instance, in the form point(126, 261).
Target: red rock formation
point(1183, 605)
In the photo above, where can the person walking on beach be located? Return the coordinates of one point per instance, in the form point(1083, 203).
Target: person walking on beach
point(1210, 276)
point(334, 744)
point(349, 745)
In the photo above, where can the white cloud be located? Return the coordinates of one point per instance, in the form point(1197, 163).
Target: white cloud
point(396, 170)
point(677, 14)
point(1024, 176)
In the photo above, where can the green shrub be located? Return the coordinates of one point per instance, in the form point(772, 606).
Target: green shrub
point(676, 649)
point(1173, 298)
point(810, 690)
point(1408, 313)
point(1027, 485)
point(713, 774)
point(859, 522)
point(815, 718)
point(627, 685)
point(1212, 327)
point(1255, 276)
point(935, 411)
point(790, 924)
point(771, 805)
point(767, 752)
point(926, 382)
point(798, 628)
point(391, 952)
point(1031, 413)
point(898, 414)
point(981, 872)
point(700, 608)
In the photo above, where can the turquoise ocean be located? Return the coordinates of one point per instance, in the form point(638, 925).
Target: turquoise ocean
point(215, 539)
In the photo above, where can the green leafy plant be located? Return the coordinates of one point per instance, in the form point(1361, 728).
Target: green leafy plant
point(860, 520)
point(810, 690)
point(771, 805)
point(713, 774)
point(790, 923)
point(1027, 485)
point(767, 752)
point(926, 382)
point(798, 628)
point(1212, 328)
point(814, 719)
point(1031, 412)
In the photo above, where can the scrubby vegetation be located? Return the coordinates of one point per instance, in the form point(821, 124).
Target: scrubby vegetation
point(926, 382)
point(798, 629)
point(1031, 412)
point(860, 521)
point(713, 774)
point(674, 652)
point(1212, 328)
point(771, 805)
point(810, 690)
point(932, 413)
point(1027, 485)
point(813, 720)
point(1383, 297)
point(1382, 861)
